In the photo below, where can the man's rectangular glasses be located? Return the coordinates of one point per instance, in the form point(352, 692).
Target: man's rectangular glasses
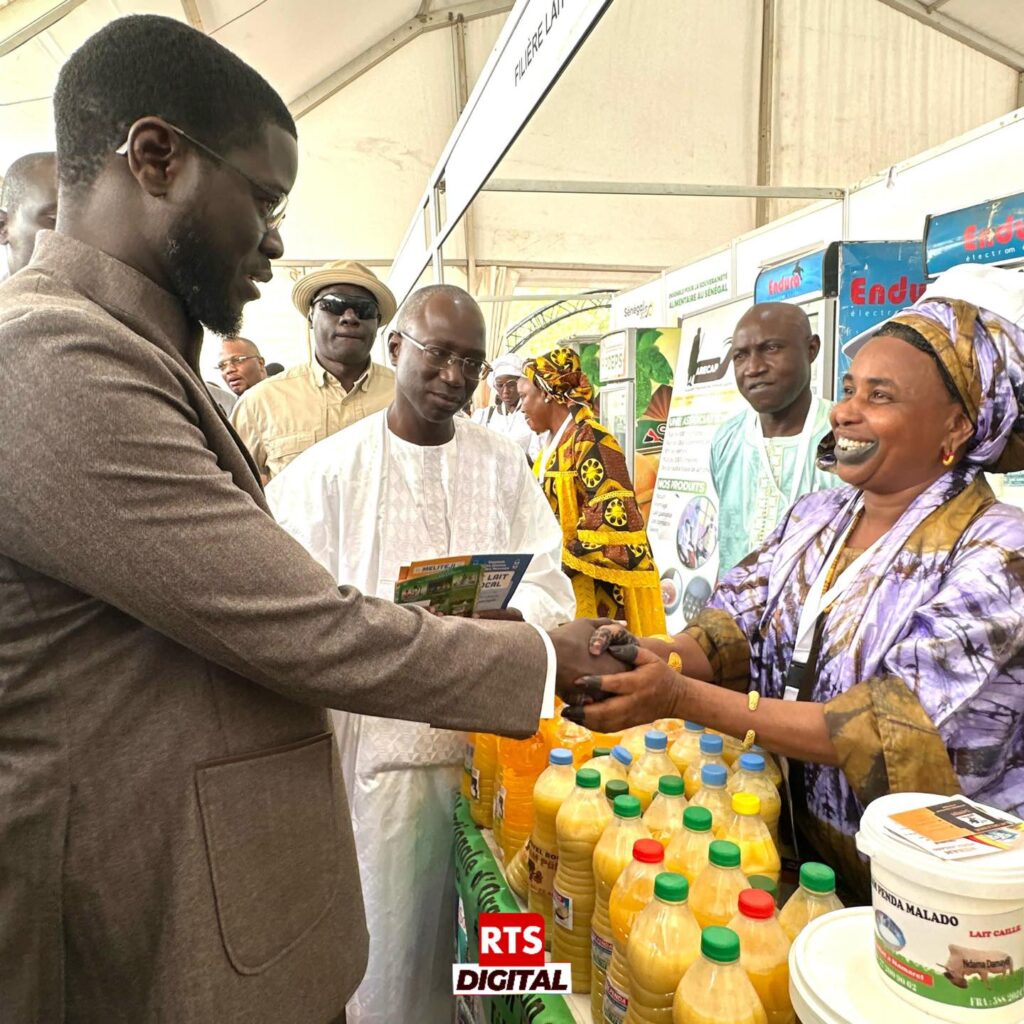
point(272, 204)
point(233, 361)
point(439, 358)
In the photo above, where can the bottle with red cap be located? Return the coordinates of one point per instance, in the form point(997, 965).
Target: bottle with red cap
point(631, 893)
point(764, 953)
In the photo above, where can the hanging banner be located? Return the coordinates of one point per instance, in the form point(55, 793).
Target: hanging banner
point(707, 282)
point(793, 280)
point(640, 307)
point(991, 232)
point(876, 280)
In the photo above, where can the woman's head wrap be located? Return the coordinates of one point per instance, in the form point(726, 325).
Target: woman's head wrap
point(560, 374)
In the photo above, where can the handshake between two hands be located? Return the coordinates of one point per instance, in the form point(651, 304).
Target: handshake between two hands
point(609, 680)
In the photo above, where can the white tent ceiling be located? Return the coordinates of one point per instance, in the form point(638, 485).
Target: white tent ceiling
point(662, 91)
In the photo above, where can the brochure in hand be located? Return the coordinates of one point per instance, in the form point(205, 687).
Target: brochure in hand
point(461, 584)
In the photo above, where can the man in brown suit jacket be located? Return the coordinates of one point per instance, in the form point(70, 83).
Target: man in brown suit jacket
point(174, 845)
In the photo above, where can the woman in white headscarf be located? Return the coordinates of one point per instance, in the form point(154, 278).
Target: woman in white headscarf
point(504, 416)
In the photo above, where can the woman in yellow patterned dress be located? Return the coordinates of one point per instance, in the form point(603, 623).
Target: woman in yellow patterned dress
point(583, 472)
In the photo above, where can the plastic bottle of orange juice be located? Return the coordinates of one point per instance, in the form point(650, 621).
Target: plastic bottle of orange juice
point(816, 896)
point(765, 884)
point(517, 874)
point(633, 740)
point(615, 765)
point(750, 777)
point(613, 853)
point(687, 851)
point(481, 785)
point(771, 766)
point(714, 795)
point(560, 732)
point(764, 954)
point(716, 989)
point(652, 765)
point(731, 747)
point(614, 788)
point(715, 893)
point(664, 942)
point(664, 817)
point(671, 727)
point(520, 763)
point(580, 822)
point(758, 855)
point(685, 748)
point(710, 753)
point(554, 785)
point(631, 893)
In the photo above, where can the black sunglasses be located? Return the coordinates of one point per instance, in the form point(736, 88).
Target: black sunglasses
point(365, 309)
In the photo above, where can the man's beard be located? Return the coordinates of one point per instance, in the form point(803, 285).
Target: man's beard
point(200, 280)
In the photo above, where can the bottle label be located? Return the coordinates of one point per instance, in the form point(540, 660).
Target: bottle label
point(474, 784)
point(561, 907)
point(499, 804)
point(600, 951)
point(975, 961)
point(542, 865)
point(616, 1003)
point(467, 758)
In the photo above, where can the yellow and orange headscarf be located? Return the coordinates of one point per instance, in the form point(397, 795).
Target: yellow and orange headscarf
point(559, 374)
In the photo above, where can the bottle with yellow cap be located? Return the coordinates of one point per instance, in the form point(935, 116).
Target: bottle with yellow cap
point(554, 785)
point(758, 855)
point(687, 851)
point(715, 893)
point(716, 989)
point(652, 765)
point(613, 853)
point(630, 894)
point(714, 795)
point(751, 776)
point(685, 748)
point(764, 954)
point(664, 942)
point(580, 822)
point(710, 753)
point(664, 817)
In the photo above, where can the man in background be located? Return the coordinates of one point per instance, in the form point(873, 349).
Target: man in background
point(344, 305)
point(241, 365)
point(413, 482)
point(28, 205)
point(763, 459)
point(504, 415)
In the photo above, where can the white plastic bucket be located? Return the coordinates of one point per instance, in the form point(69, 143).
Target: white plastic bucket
point(831, 979)
point(949, 935)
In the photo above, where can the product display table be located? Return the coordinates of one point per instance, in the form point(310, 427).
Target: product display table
point(480, 882)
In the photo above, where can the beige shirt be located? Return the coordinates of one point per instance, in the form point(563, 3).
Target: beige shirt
point(282, 416)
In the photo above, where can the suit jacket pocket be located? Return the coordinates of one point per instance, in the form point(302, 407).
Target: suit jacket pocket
point(271, 826)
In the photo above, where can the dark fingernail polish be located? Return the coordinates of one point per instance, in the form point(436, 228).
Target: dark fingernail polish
point(575, 715)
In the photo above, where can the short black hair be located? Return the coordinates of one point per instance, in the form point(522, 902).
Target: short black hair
point(16, 180)
point(894, 329)
point(150, 65)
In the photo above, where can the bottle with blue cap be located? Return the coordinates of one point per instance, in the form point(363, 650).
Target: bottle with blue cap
point(685, 748)
point(648, 769)
point(711, 746)
point(556, 782)
point(614, 765)
point(715, 796)
point(751, 776)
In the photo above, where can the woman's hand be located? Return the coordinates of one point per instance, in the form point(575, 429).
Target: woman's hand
point(614, 702)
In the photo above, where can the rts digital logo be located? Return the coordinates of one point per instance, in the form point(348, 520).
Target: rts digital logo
point(511, 960)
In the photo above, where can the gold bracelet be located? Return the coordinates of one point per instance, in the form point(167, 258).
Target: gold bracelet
point(748, 740)
point(753, 699)
point(675, 662)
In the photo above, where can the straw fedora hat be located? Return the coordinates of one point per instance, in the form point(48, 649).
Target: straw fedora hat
point(343, 272)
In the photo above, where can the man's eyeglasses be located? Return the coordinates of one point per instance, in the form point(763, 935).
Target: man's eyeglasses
point(439, 358)
point(272, 204)
point(365, 309)
point(233, 361)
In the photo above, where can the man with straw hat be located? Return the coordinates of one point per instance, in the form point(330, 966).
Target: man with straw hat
point(344, 304)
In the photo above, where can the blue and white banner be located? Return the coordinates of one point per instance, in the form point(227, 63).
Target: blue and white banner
point(991, 232)
point(791, 280)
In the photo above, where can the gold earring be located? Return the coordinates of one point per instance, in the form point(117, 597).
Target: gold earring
point(947, 458)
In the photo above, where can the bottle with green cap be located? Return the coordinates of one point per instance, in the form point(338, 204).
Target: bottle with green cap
point(664, 942)
point(764, 954)
point(765, 884)
point(716, 989)
point(614, 851)
point(630, 894)
point(580, 822)
point(650, 767)
point(613, 764)
point(758, 855)
point(687, 851)
point(715, 893)
point(614, 788)
point(816, 896)
point(664, 818)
